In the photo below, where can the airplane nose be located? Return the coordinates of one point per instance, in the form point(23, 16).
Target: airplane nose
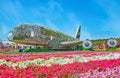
point(10, 35)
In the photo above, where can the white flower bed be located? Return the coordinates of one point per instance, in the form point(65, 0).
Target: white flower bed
point(59, 60)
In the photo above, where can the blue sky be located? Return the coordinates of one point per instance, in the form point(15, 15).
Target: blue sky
point(98, 18)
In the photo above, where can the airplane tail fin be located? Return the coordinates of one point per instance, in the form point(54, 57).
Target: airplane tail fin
point(77, 35)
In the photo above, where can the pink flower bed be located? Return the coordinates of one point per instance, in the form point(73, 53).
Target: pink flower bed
point(23, 57)
point(61, 71)
point(91, 69)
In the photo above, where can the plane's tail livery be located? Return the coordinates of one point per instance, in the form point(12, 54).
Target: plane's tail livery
point(77, 35)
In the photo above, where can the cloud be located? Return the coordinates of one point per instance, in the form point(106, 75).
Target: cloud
point(4, 31)
point(51, 14)
point(71, 24)
point(111, 8)
point(11, 10)
point(85, 35)
point(48, 13)
point(70, 21)
point(10, 15)
point(51, 25)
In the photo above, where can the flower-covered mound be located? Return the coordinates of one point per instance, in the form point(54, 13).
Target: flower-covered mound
point(61, 65)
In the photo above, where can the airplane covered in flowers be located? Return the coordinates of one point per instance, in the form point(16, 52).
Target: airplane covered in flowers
point(40, 36)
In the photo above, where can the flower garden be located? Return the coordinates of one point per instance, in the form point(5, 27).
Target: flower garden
point(61, 65)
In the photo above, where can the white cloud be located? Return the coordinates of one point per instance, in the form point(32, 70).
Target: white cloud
point(48, 14)
point(55, 6)
point(73, 22)
point(85, 34)
point(52, 11)
point(111, 8)
point(10, 14)
point(11, 10)
point(51, 25)
point(70, 24)
point(4, 31)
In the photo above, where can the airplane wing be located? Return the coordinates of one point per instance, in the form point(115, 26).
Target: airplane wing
point(70, 43)
point(29, 42)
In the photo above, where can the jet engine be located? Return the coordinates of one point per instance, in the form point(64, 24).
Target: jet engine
point(112, 42)
point(10, 36)
point(87, 44)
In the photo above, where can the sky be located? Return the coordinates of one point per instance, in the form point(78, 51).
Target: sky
point(99, 19)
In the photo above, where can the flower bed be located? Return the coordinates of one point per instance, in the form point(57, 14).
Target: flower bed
point(61, 65)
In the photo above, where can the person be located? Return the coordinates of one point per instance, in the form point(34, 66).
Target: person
point(21, 49)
